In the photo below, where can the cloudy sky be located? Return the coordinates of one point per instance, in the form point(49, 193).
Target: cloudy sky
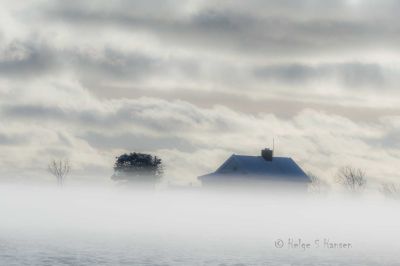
point(196, 81)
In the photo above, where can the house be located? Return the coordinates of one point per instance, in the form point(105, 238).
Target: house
point(257, 171)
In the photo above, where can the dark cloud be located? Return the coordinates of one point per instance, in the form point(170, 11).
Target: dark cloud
point(115, 65)
point(136, 142)
point(110, 65)
point(54, 114)
point(358, 75)
point(289, 73)
point(158, 115)
point(22, 59)
point(390, 140)
point(93, 67)
point(268, 34)
point(8, 139)
point(352, 75)
point(238, 29)
point(33, 111)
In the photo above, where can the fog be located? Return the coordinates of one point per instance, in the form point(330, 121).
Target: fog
point(119, 226)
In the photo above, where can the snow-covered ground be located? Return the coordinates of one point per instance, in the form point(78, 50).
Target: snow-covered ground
point(110, 226)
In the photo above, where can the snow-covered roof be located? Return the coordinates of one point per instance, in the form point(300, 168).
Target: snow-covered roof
point(279, 167)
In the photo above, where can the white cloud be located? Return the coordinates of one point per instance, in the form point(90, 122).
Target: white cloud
point(190, 139)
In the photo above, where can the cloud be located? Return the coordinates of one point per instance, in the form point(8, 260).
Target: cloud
point(11, 140)
point(286, 29)
point(179, 131)
point(136, 142)
point(230, 48)
point(33, 111)
point(21, 59)
point(351, 75)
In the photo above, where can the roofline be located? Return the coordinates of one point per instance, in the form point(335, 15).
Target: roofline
point(234, 156)
point(210, 174)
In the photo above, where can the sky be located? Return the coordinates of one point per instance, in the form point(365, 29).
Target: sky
point(196, 81)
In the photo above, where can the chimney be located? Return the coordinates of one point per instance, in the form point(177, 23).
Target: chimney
point(267, 154)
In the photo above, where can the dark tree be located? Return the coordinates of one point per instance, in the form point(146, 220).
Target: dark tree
point(138, 167)
point(60, 169)
point(353, 179)
point(391, 190)
point(317, 185)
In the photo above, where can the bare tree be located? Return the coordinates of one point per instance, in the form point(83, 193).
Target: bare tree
point(391, 190)
point(60, 169)
point(353, 179)
point(317, 185)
